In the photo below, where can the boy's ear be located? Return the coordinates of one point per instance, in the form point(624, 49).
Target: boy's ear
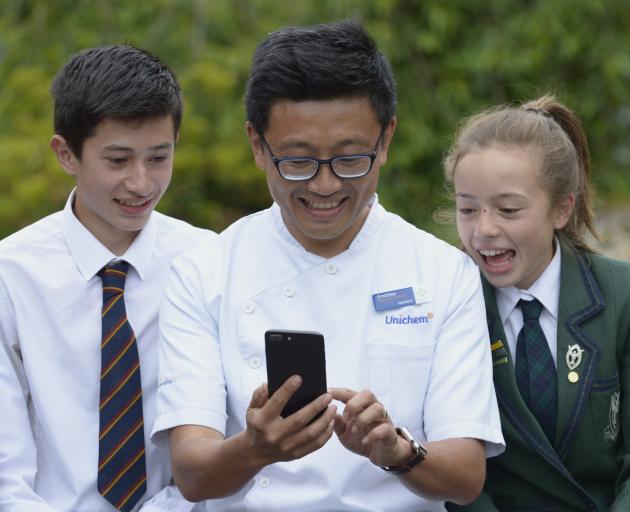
point(65, 156)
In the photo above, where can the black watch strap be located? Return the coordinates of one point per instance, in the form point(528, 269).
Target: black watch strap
point(418, 453)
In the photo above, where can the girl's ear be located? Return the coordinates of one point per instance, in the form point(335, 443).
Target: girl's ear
point(563, 210)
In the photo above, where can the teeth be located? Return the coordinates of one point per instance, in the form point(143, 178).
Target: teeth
point(327, 205)
point(132, 203)
point(489, 252)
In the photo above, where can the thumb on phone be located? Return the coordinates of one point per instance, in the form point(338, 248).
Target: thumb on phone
point(279, 399)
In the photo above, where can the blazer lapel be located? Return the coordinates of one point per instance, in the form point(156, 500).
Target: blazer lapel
point(508, 394)
point(576, 307)
point(580, 300)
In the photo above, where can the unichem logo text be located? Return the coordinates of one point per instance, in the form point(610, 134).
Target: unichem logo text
point(408, 319)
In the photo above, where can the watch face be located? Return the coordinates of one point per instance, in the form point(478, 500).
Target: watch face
point(416, 447)
point(418, 453)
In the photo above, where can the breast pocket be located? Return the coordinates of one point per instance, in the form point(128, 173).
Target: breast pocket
point(605, 403)
point(398, 375)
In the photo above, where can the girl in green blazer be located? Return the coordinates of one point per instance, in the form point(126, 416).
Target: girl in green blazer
point(558, 313)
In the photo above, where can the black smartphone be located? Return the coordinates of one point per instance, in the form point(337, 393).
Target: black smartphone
point(296, 353)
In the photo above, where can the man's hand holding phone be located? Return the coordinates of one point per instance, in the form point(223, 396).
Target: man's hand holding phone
point(271, 438)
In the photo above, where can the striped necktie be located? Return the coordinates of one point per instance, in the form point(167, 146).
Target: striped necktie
point(535, 370)
point(121, 460)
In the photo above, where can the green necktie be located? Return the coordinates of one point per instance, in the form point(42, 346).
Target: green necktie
point(535, 370)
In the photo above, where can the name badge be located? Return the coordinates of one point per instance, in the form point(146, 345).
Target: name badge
point(395, 299)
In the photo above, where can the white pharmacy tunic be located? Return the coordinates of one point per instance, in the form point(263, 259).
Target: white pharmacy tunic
point(425, 354)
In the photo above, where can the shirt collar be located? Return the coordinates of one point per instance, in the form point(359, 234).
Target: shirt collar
point(546, 289)
point(372, 223)
point(90, 255)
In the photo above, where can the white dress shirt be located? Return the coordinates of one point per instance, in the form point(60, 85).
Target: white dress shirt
point(427, 362)
point(547, 290)
point(50, 360)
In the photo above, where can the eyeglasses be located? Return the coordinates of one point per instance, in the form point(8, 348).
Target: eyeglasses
point(344, 167)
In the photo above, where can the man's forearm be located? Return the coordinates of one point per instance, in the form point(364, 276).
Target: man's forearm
point(206, 466)
point(454, 470)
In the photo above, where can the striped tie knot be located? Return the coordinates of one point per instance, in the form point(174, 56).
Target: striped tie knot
point(113, 277)
point(531, 309)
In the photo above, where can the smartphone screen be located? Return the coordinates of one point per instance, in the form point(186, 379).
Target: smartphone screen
point(296, 353)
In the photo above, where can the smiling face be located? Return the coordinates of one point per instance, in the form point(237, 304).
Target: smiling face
point(123, 172)
point(505, 218)
point(324, 213)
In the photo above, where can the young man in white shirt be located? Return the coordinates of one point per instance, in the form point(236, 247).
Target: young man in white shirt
point(402, 313)
point(76, 418)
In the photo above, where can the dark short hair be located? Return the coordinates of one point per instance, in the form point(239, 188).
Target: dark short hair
point(321, 62)
point(118, 82)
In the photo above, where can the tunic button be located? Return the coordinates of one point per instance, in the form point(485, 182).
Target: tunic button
point(331, 269)
point(265, 482)
point(254, 362)
point(248, 307)
point(289, 292)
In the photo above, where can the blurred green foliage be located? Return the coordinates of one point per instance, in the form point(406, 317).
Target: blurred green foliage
point(450, 58)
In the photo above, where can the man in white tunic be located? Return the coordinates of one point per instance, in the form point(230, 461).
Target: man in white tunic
point(411, 414)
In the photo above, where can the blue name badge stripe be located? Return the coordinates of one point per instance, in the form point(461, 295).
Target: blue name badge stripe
point(394, 299)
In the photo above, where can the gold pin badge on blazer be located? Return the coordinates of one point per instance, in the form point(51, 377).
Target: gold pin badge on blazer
point(497, 357)
point(573, 359)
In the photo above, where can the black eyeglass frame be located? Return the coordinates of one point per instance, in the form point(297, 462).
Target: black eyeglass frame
point(330, 161)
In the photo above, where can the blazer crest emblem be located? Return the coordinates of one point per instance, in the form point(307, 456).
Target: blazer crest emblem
point(574, 356)
point(612, 430)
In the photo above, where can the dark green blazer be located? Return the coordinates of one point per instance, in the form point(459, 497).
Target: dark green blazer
point(588, 466)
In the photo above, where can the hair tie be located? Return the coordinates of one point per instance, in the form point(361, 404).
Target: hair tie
point(539, 111)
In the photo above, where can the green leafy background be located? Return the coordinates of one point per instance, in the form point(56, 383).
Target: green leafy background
point(451, 58)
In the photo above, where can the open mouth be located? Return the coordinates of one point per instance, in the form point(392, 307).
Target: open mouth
point(133, 204)
point(323, 209)
point(322, 205)
point(497, 258)
point(135, 207)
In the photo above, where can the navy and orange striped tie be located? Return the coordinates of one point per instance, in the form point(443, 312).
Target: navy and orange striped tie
point(121, 461)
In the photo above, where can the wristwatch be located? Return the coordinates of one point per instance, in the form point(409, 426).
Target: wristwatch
point(418, 453)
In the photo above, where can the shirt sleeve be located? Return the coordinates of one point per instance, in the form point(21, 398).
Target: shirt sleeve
point(191, 386)
point(460, 400)
point(18, 457)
